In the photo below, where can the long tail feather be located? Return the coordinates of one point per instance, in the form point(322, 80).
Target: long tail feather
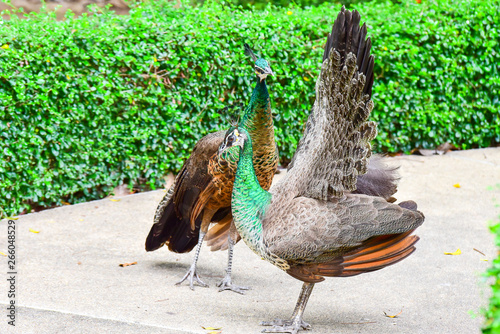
point(171, 230)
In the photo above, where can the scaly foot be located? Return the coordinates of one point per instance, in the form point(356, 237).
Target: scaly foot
point(193, 277)
point(226, 284)
point(285, 326)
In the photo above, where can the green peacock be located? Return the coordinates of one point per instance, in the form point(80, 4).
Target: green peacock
point(311, 224)
point(201, 193)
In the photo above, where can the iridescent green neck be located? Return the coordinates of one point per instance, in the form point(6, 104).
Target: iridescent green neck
point(259, 104)
point(249, 201)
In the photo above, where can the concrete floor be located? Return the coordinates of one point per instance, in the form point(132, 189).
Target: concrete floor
point(69, 279)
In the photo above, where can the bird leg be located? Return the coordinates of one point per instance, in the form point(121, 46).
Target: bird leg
point(192, 274)
point(296, 323)
point(226, 283)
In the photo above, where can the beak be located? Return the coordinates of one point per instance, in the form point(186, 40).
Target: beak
point(269, 71)
point(240, 143)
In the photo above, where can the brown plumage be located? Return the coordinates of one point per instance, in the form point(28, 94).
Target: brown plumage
point(351, 235)
point(174, 219)
point(313, 224)
point(201, 193)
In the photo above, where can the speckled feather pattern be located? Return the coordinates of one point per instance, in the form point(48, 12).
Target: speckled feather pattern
point(340, 138)
point(257, 120)
point(319, 231)
point(337, 131)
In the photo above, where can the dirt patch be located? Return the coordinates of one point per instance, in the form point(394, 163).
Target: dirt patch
point(77, 6)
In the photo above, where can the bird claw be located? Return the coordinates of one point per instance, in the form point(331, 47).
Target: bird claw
point(285, 326)
point(226, 284)
point(193, 278)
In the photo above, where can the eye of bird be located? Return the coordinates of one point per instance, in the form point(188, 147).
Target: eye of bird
point(230, 139)
point(259, 70)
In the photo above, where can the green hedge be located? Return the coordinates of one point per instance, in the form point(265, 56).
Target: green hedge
point(95, 101)
point(261, 4)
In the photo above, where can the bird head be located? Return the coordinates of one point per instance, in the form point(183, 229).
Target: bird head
point(262, 68)
point(234, 137)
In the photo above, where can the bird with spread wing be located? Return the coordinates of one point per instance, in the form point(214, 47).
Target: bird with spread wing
point(313, 224)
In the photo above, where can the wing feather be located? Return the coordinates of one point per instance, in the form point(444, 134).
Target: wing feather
point(314, 231)
point(335, 146)
point(174, 224)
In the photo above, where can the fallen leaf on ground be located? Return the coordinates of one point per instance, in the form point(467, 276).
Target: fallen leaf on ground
point(114, 200)
point(12, 218)
point(484, 259)
point(477, 250)
point(211, 328)
point(127, 264)
point(457, 252)
point(457, 185)
point(65, 203)
point(393, 316)
point(2, 253)
point(34, 231)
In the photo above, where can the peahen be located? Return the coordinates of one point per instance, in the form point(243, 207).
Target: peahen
point(311, 224)
point(201, 193)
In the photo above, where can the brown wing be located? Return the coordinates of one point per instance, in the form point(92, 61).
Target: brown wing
point(172, 222)
point(308, 231)
point(374, 254)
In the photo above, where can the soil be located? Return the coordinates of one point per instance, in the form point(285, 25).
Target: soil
point(61, 6)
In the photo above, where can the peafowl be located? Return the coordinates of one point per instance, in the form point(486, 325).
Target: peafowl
point(201, 193)
point(312, 224)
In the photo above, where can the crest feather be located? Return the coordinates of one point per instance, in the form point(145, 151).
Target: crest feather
point(249, 52)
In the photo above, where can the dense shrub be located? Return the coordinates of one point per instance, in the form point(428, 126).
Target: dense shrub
point(95, 101)
point(438, 68)
point(261, 4)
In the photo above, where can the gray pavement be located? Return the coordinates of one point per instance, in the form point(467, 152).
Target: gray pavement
point(69, 279)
